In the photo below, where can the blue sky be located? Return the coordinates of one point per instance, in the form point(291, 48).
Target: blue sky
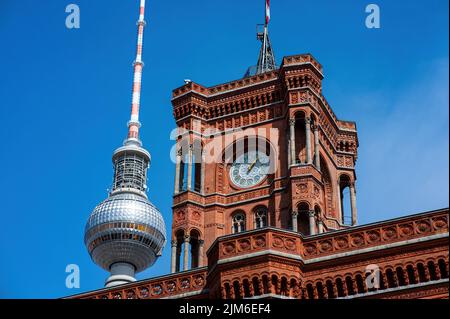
point(65, 100)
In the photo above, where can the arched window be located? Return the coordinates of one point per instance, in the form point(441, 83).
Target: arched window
point(303, 219)
point(260, 217)
point(344, 199)
point(189, 166)
point(238, 223)
point(195, 248)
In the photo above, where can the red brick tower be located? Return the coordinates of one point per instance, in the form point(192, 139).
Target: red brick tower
point(312, 154)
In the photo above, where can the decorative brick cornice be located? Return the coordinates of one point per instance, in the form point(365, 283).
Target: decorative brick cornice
point(343, 241)
point(185, 283)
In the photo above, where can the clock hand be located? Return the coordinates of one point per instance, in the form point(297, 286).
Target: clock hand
point(253, 164)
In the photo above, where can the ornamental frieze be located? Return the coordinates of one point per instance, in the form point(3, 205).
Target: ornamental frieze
point(378, 236)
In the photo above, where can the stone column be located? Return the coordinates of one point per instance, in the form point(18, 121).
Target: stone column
point(251, 290)
point(186, 253)
point(405, 276)
point(260, 286)
point(426, 273)
point(353, 203)
point(292, 140)
point(416, 275)
point(437, 271)
point(308, 139)
point(189, 173)
point(289, 152)
point(312, 222)
point(232, 292)
point(334, 290)
point(320, 226)
point(395, 279)
point(339, 202)
point(223, 293)
point(177, 172)
point(174, 257)
point(325, 291)
point(294, 221)
point(316, 147)
point(351, 287)
point(201, 244)
point(315, 292)
point(202, 176)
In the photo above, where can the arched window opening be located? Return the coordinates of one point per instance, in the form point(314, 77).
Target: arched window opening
point(345, 200)
point(349, 284)
point(256, 290)
point(320, 290)
point(238, 222)
point(227, 291)
point(391, 280)
point(360, 285)
point(195, 248)
point(303, 225)
point(183, 175)
point(443, 268)
point(189, 167)
point(237, 290)
point(432, 271)
point(410, 273)
point(330, 290)
point(300, 139)
point(260, 217)
point(340, 287)
point(197, 159)
point(284, 290)
point(310, 291)
point(422, 274)
point(401, 276)
point(246, 288)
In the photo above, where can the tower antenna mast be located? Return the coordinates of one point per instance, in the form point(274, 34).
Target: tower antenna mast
point(134, 124)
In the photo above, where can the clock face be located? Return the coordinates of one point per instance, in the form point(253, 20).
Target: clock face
point(249, 169)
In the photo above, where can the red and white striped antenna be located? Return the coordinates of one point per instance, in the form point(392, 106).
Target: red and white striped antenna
point(267, 11)
point(134, 124)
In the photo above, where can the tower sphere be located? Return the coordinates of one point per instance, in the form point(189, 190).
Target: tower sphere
point(125, 227)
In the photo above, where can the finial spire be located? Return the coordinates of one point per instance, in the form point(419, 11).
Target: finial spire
point(134, 124)
point(266, 59)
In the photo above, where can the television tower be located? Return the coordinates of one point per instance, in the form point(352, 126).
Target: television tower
point(125, 233)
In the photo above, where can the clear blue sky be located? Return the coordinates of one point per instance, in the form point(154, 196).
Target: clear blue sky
point(65, 99)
